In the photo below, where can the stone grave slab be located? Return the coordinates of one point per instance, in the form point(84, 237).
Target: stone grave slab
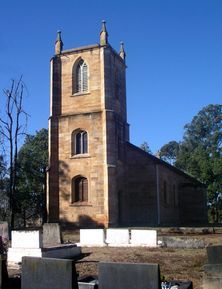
point(4, 230)
point(182, 242)
point(26, 239)
point(46, 273)
point(212, 278)
point(92, 237)
point(117, 236)
point(214, 254)
point(144, 237)
point(29, 243)
point(51, 234)
point(129, 275)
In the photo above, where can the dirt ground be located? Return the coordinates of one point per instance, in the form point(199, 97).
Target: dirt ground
point(175, 264)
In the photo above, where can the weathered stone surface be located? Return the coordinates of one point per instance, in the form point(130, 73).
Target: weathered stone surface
point(214, 254)
point(4, 230)
point(144, 237)
point(212, 278)
point(51, 234)
point(129, 275)
point(47, 273)
point(63, 251)
point(92, 237)
point(117, 236)
point(26, 239)
point(125, 184)
point(182, 242)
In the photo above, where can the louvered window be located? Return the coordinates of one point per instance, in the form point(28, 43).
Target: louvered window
point(79, 142)
point(81, 77)
point(79, 189)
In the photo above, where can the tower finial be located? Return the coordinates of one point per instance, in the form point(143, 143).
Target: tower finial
point(103, 34)
point(58, 43)
point(122, 52)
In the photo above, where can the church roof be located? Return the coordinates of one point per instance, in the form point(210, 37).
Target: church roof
point(162, 162)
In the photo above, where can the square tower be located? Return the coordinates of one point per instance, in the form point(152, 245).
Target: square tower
point(88, 132)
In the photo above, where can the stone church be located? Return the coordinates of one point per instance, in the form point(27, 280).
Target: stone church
point(96, 177)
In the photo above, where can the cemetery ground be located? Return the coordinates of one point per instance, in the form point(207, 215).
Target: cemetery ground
point(175, 264)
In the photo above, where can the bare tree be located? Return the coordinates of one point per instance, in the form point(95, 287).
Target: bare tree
point(13, 124)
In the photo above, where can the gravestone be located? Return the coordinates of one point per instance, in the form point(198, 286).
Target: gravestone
point(182, 242)
point(129, 275)
point(3, 273)
point(29, 243)
point(214, 254)
point(4, 230)
point(144, 238)
point(51, 234)
point(26, 239)
point(212, 278)
point(92, 237)
point(117, 236)
point(47, 273)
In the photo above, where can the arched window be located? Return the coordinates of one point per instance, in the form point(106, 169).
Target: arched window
point(79, 142)
point(79, 189)
point(80, 77)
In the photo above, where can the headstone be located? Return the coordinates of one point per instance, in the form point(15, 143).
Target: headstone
point(212, 278)
point(183, 242)
point(24, 243)
point(117, 236)
point(3, 273)
point(4, 230)
point(144, 237)
point(26, 239)
point(129, 275)
point(51, 234)
point(29, 243)
point(214, 254)
point(46, 273)
point(92, 237)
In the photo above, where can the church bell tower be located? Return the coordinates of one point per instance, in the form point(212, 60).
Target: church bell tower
point(88, 132)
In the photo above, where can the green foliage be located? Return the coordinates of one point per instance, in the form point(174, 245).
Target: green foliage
point(169, 152)
point(200, 152)
point(145, 147)
point(32, 163)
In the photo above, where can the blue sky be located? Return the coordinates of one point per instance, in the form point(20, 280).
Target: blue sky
point(173, 47)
